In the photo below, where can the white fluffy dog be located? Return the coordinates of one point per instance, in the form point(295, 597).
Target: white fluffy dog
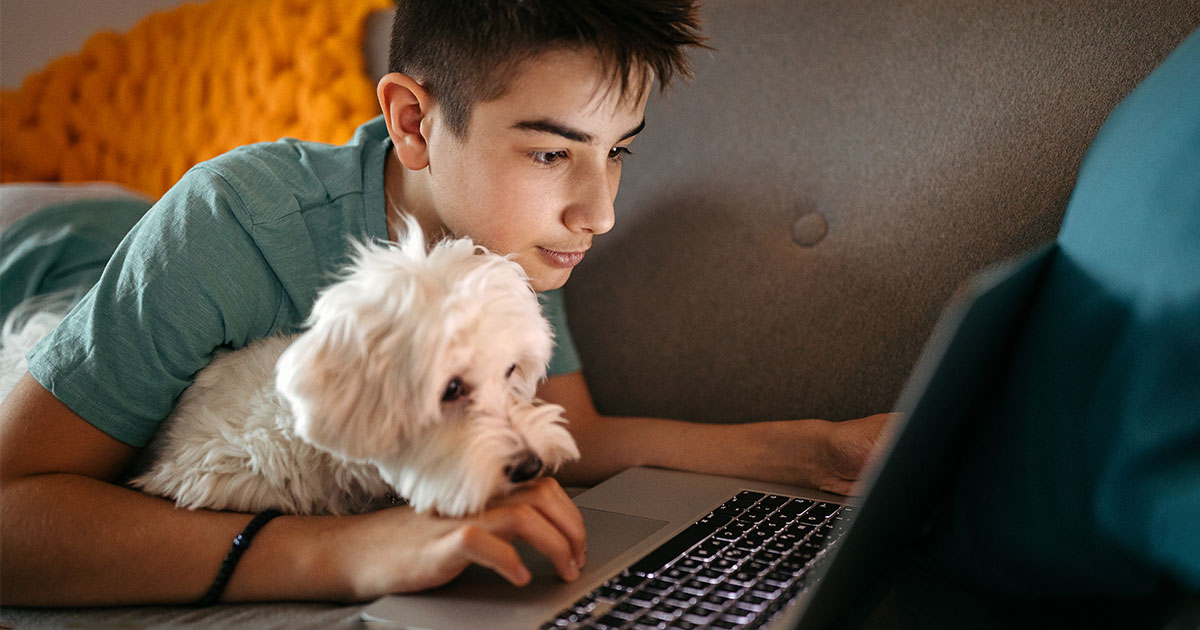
point(414, 378)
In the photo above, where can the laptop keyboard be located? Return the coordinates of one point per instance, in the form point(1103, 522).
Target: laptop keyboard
point(737, 567)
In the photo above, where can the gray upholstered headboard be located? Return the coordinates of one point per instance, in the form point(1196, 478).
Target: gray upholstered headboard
point(793, 221)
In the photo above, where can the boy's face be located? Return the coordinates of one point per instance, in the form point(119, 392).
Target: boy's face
point(537, 172)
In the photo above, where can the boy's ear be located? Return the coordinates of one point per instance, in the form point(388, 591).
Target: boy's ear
point(406, 105)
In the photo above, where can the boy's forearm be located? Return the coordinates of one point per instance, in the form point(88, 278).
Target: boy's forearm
point(812, 453)
point(70, 537)
point(777, 451)
point(97, 544)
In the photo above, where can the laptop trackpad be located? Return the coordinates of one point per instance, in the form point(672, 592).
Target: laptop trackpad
point(608, 535)
point(481, 596)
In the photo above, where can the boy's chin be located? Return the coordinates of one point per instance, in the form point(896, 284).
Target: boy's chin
point(548, 280)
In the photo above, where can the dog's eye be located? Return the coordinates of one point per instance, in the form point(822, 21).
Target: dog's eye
point(455, 389)
point(512, 368)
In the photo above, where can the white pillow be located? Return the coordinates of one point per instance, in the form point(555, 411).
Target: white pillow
point(20, 199)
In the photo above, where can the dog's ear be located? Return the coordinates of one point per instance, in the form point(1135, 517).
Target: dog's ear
point(353, 381)
point(537, 342)
point(530, 372)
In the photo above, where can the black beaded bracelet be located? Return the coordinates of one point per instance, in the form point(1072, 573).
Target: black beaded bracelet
point(240, 543)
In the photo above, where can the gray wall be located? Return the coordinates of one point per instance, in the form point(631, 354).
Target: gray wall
point(32, 32)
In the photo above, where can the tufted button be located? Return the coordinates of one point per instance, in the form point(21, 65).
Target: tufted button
point(809, 229)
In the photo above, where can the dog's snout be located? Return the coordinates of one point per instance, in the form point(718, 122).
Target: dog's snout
point(527, 468)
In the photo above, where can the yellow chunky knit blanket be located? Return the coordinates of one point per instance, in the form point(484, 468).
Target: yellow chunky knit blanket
point(187, 84)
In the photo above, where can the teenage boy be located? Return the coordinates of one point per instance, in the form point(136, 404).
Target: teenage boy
point(504, 122)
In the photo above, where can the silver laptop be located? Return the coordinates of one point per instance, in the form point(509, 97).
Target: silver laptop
point(669, 549)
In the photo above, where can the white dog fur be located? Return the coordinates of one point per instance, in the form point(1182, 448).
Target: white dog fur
point(415, 377)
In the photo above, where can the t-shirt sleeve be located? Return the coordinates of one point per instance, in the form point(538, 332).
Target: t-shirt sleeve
point(187, 279)
point(565, 358)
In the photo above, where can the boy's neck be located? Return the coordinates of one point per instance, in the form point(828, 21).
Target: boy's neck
point(401, 192)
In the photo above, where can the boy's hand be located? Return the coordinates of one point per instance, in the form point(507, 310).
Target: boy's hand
point(397, 550)
point(848, 446)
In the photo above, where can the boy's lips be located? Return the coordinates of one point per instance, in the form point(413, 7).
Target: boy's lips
point(562, 260)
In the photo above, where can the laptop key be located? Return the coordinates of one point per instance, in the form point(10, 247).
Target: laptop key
point(732, 555)
point(743, 577)
point(765, 591)
point(789, 537)
point(699, 615)
point(726, 533)
point(706, 551)
point(738, 615)
point(753, 602)
point(777, 578)
point(675, 575)
point(666, 611)
point(641, 599)
point(796, 507)
point(679, 599)
point(657, 587)
point(768, 556)
point(724, 564)
point(792, 564)
point(626, 610)
point(610, 621)
point(608, 593)
point(819, 512)
point(656, 560)
point(777, 521)
point(715, 519)
point(740, 502)
point(738, 526)
point(757, 513)
point(809, 549)
point(627, 581)
point(728, 591)
point(711, 576)
point(773, 500)
point(757, 566)
point(800, 529)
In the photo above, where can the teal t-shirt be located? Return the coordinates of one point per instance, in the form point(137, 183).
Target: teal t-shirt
point(236, 251)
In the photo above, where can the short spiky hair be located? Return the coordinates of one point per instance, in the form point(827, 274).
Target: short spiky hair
point(465, 52)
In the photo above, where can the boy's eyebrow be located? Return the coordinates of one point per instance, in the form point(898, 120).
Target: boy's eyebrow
point(575, 135)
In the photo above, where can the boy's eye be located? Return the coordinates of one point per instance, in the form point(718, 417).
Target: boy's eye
point(548, 157)
point(617, 154)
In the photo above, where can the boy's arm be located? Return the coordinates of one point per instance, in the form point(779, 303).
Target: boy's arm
point(71, 537)
point(813, 453)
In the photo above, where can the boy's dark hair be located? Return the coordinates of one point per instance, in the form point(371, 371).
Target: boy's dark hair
point(465, 52)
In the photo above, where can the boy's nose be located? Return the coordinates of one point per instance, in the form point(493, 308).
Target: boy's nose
point(596, 217)
point(592, 210)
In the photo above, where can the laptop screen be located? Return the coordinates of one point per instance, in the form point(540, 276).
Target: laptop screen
point(969, 347)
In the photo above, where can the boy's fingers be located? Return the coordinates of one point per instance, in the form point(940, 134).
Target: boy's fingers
point(479, 546)
point(548, 497)
point(525, 522)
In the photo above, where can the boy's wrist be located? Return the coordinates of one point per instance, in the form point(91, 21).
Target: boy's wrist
point(293, 558)
point(807, 446)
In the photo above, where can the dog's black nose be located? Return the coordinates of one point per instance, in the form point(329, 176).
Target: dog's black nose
point(526, 469)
